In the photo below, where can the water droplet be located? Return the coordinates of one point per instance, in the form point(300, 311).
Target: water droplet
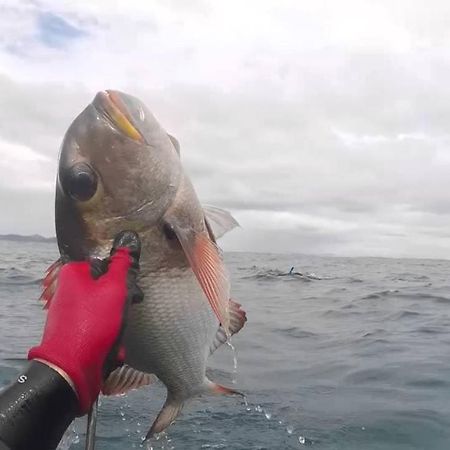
point(141, 114)
point(235, 361)
point(363, 428)
point(271, 416)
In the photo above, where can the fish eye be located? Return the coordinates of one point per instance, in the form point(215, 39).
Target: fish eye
point(168, 232)
point(81, 182)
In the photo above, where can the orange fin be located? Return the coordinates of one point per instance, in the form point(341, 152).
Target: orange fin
point(50, 282)
point(166, 416)
point(206, 261)
point(238, 317)
point(222, 390)
point(125, 378)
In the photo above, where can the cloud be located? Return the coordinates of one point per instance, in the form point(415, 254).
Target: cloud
point(323, 126)
point(54, 31)
point(20, 165)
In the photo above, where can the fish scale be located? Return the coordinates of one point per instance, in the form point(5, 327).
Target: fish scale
point(176, 355)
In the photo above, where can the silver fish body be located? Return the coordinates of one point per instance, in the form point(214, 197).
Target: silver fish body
point(175, 354)
point(120, 170)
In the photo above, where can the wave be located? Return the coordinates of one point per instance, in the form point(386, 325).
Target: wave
point(380, 294)
point(355, 280)
point(405, 295)
point(20, 281)
point(270, 274)
point(12, 276)
point(295, 332)
point(404, 314)
point(408, 276)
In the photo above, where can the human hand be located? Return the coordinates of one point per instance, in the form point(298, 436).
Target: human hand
point(85, 319)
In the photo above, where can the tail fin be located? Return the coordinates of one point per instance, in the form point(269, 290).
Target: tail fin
point(166, 416)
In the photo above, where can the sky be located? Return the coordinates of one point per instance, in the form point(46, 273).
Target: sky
point(323, 126)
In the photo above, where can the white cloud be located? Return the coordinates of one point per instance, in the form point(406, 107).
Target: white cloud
point(22, 168)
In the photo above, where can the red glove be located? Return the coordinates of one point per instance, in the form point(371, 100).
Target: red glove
point(86, 317)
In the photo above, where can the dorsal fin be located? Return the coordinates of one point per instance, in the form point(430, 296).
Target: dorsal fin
point(219, 221)
point(175, 143)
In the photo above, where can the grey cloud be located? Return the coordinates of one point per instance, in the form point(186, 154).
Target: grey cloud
point(239, 163)
point(307, 165)
point(37, 115)
point(351, 135)
point(303, 240)
point(27, 212)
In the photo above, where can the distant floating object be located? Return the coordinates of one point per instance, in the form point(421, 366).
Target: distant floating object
point(291, 272)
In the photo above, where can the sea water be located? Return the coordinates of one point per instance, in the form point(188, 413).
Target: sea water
point(354, 355)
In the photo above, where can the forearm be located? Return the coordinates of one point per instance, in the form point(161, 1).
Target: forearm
point(36, 410)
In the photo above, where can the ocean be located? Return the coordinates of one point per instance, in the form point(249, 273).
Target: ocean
point(354, 354)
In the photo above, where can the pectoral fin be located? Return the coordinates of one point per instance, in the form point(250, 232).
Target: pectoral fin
point(206, 262)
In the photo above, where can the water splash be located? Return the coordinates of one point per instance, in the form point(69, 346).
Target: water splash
point(161, 441)
point(235, 361)
point(70, 437)
point(304, 440)
point(285, 428)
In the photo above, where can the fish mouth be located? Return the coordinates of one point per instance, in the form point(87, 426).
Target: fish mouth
point(110, 105)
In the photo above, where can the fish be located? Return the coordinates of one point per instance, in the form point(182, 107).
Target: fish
point(120, 170)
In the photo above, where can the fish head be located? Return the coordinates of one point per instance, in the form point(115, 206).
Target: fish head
point(118, 169)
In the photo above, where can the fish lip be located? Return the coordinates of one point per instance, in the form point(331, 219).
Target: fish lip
point(111, 108)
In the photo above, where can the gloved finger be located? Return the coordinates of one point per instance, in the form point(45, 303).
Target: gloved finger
point(99, 267)
point(124, 259)
point(130, 240)
point(124, 239)
point(126, 248)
